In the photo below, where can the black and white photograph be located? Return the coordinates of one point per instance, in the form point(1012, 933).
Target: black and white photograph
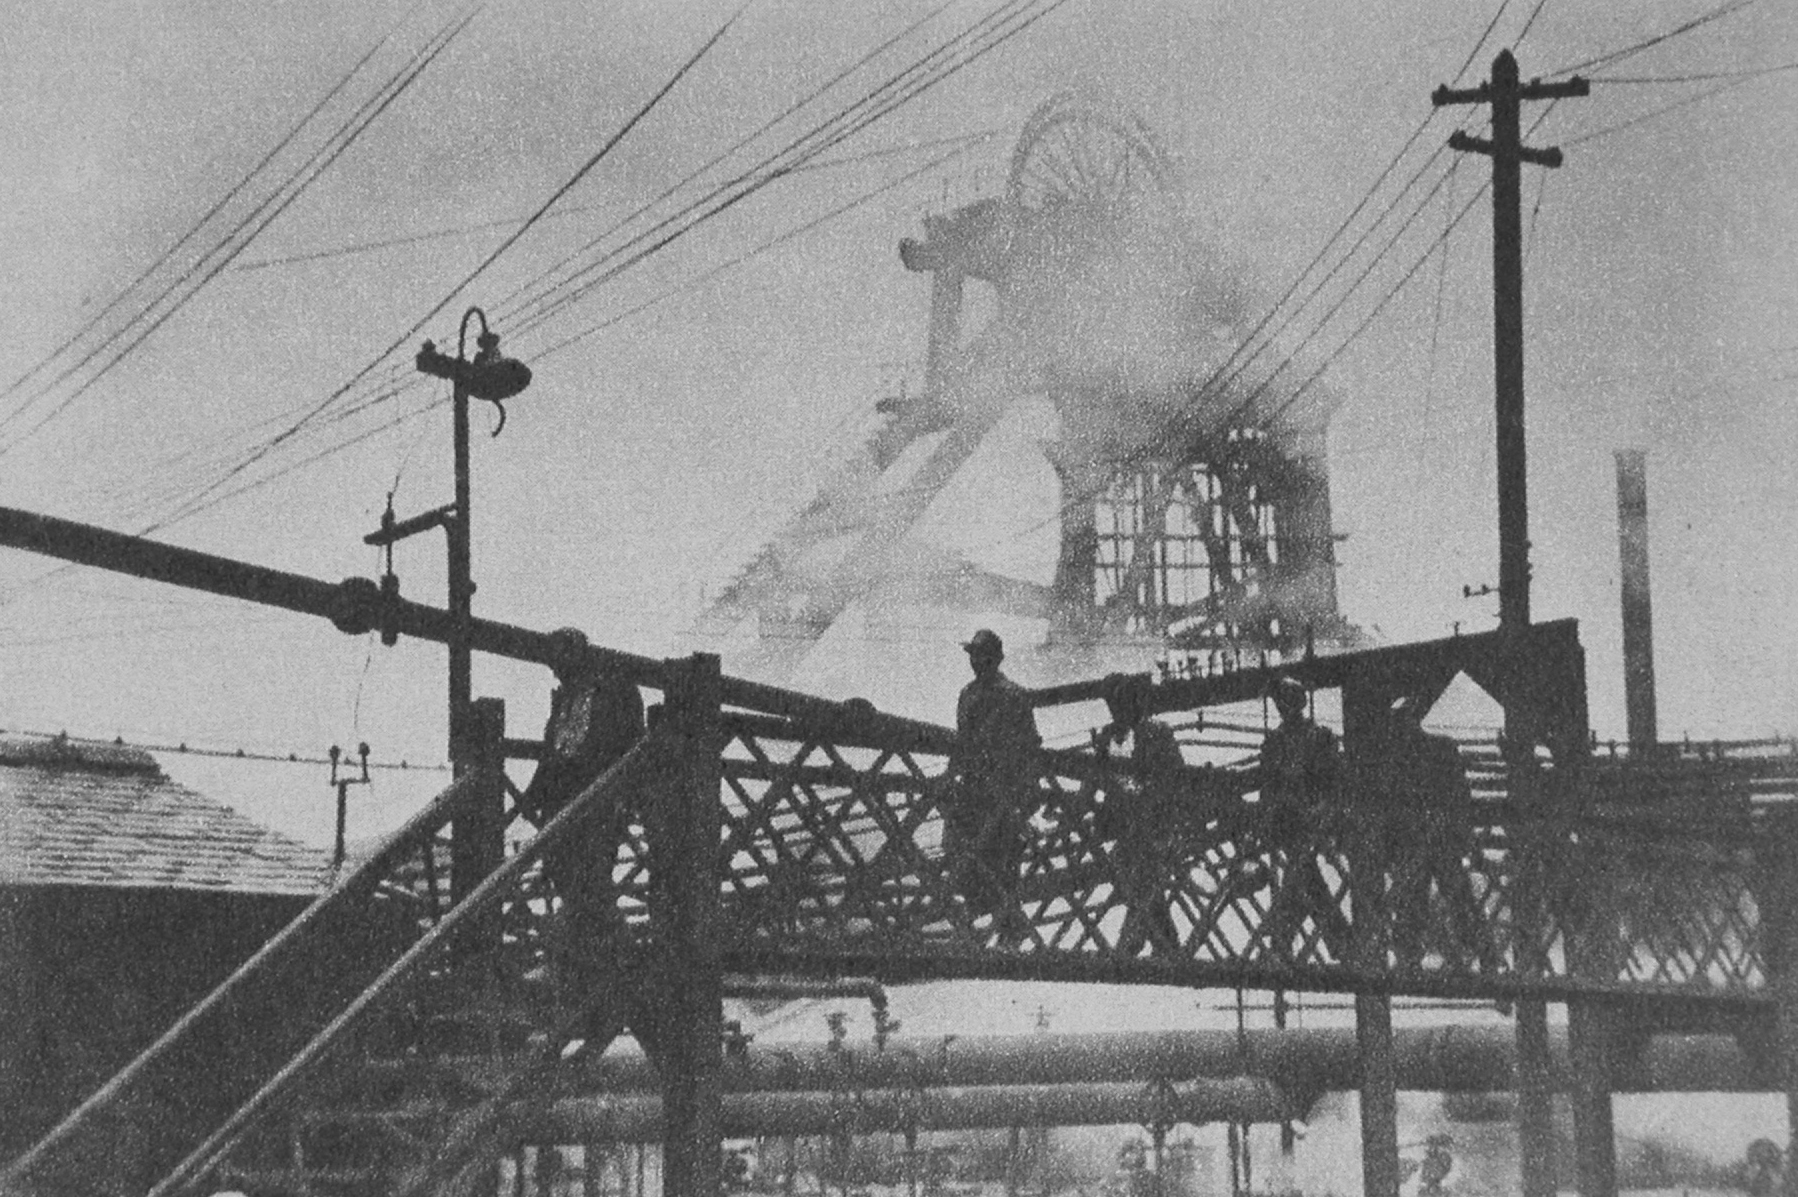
point(899, 598)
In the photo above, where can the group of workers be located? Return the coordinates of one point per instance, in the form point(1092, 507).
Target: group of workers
point(1154, 816)
point(1415, 830)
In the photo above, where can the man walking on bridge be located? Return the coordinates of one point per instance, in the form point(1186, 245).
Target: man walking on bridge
point(1150, 813)
point(1422, 783)
point(993, 788)
point(1300, 783)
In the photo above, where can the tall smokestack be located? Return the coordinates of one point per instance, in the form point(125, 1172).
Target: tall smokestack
point(1638, 617)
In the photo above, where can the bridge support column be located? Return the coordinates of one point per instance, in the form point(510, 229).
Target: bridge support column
point(1379, 1095)
point(1535, 1068)
point(685, 831)
point(1373, 1015)
point(1593, 953)
point(1594, 1134)
point(1776, 896)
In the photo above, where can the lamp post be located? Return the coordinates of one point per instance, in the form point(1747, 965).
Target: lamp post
point(494, 379)
point(477, 841)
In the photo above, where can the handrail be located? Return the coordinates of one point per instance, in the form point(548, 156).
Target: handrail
point(354, 887)
point(484, 895)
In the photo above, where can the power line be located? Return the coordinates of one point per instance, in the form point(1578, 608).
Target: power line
point(764, 247)
point(617, 319)
point(321, 160)
point(206, 497)
point(182, 748)
point(1707, 77)
point(1529, 24)
point(1728, 9)
point(192, 231)
point(724, 154)
point(1474, 53)
point(1236, 357)
point(1643, 118)
point(199, 503)
point(486, 226)
point(512, 239)
point(549, 299)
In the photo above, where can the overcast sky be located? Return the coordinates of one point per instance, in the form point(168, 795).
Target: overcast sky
point(651, 458)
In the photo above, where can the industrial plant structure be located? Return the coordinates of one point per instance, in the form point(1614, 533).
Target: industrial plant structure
point(1193, 505)
point(439, 1006)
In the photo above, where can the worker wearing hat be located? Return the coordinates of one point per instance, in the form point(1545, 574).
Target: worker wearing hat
point(993, 787)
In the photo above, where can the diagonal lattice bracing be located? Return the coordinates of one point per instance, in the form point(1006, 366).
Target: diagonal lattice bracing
point(835, 851)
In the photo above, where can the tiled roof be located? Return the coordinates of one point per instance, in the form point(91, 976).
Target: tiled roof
point(83, 813)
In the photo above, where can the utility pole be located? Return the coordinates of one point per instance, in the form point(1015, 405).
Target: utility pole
point(1505, 93)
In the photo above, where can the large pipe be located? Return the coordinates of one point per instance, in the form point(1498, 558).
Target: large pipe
point(1300, 1061)
point(637, 1118)
point(356, 606)
point(1638, 615)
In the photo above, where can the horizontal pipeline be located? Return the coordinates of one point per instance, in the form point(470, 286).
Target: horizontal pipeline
point(635, 1118)
point(1302, 1062)
point(357, 606)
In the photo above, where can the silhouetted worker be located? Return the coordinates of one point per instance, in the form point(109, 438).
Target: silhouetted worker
point(1422, 783)
point(1149, 812)
point(1300, 778)
point(595, 717)
point(993, 771)
point(1148, 822)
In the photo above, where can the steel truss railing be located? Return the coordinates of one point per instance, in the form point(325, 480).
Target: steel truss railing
point(833, 856)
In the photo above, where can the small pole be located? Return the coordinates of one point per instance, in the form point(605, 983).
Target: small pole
point(339, 848)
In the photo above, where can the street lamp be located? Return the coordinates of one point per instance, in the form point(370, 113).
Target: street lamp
point(495, 379)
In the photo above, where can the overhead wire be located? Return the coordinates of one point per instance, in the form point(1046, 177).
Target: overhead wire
point(260, 218)
point(1347, 222)
point(1244, 405)
point(192, 231)
point(1529, 24)
point(1645, 117)
point(1718, 13)
point(1403, 281)
point(205, 499)
point(549, 299)
point(662, 297)
point(486, 226)
point(191, 507)
point(1222, 378)
point(963, 142)
point(764, 247)
point(1704, 77)
point(183, 748)
point(723, 155)
point(1253, 343)
point(1727, 9)
point(1373, 314)
point(1474, 53)
point(511, 239)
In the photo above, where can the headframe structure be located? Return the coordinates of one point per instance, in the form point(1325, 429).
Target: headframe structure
point(1193, 506)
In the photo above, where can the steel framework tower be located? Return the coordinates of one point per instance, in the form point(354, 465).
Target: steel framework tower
point(1193, 503)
